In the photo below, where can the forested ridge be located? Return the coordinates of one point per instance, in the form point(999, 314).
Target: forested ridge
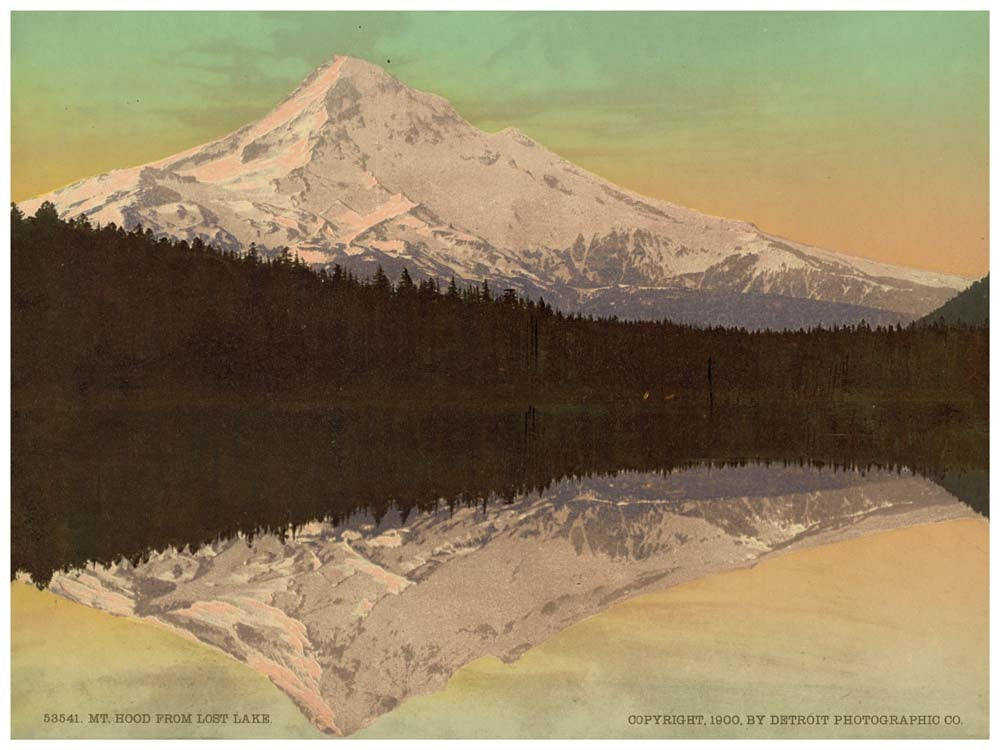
point(971, 307)
point(102, 310)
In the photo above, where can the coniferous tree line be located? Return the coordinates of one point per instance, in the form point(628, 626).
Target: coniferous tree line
point(102, 310)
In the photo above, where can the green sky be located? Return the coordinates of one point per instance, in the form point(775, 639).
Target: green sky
point(861, 132)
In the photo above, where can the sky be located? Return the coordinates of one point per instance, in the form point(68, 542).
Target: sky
point(861, 132)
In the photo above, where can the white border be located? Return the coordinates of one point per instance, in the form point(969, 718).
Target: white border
point(469, 5)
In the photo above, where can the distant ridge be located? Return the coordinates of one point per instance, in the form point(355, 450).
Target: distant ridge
point(971, 307)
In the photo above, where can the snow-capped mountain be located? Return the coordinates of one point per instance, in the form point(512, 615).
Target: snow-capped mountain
point(358, 169)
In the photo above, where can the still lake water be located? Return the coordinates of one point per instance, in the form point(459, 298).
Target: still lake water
point(96, 485)
point(352, 619)
point(360, 557)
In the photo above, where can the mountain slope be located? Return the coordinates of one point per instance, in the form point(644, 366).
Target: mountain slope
point(356, 168)
point(970, 306)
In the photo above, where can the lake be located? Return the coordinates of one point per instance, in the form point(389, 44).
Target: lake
point(360, 558)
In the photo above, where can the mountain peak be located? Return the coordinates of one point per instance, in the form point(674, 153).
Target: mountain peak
point(354, 65)
point(358, 168)
point(345, 84)
point(360, 72)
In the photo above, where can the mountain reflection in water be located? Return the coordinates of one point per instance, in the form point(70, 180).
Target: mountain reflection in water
point(352, 619)
point(96, 485)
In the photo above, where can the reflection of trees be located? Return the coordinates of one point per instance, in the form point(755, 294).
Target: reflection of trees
point(98, 484)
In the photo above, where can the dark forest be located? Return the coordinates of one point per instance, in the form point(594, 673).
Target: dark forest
point(101, 312)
